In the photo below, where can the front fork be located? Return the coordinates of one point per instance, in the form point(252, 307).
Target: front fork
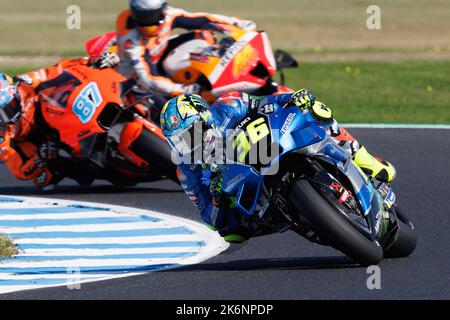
point(273, 204)
point(339, 194)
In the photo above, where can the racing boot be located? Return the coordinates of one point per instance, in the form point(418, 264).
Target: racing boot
point(235, 238)
point(235, 235)
point(236, 241)
point(228, 236)
point(236, 229)
point(374, 167)
point(248, 228)
point(47, 180)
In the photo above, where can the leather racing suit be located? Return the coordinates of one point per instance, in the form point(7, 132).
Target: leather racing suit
point(20, 142)
point(198, 180)
point(140, 55)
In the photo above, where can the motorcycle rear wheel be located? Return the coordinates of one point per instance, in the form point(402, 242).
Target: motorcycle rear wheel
point(333, 227)
point(405, 239)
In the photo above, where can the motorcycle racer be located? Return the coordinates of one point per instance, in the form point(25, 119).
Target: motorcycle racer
point(18, 137)
point(201, 177)
point(25, 146)
point(143, 38)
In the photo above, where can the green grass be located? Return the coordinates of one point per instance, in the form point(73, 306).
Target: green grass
point(389, 92)
point(17, 70)
point(7, 247)
point(39, 27)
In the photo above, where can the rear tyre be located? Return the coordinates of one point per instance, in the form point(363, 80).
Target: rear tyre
point(405, 239)
point(157, 152)
point(332, 227)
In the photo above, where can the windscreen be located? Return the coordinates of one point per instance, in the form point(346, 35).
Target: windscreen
point(57, 91)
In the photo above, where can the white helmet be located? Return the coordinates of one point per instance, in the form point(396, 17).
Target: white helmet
point(148, 12)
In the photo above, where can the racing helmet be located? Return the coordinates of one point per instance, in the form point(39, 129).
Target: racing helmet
point(10, 106)
point(148, 15)
point(186, 123)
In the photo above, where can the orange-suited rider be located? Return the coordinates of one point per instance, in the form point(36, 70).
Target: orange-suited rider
point(24, 147)
point(143, 38)
point(18, 134)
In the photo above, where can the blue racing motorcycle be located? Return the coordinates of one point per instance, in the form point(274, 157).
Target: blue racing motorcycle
point(307, 183)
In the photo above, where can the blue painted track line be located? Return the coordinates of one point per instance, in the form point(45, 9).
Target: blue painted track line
point(6, 199)
point(97, 269)
point(170, 244)
point(103, 234)
point(66, 242)
point(43, 281)
point(155, 255)
point(69, 222)
point(46, 210)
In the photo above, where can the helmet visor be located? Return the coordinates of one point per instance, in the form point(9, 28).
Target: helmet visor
point(149, 18)
point(186, 142)
point(9, 113)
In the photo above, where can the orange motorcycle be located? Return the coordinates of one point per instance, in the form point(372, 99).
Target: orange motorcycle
point(103, 128)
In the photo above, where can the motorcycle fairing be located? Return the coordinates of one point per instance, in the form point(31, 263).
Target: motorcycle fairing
point(231, 70)
point(304, 135)
point(85, 102)
point(237, 62)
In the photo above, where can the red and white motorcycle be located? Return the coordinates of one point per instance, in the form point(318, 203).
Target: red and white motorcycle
point(233, 60)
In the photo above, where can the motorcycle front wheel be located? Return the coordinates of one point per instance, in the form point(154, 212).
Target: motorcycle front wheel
point(332, 226)
point(157, 152)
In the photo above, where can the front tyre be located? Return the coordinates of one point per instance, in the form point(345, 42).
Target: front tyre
point(333, 227)
point(157, 152)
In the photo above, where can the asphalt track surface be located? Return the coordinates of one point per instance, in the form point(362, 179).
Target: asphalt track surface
point(285, 266)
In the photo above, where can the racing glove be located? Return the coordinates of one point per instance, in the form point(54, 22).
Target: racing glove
point(215, 187)
point(303, 99)
point(107, 60)
point(5, 144)
point(23, 79)
point(246, 25)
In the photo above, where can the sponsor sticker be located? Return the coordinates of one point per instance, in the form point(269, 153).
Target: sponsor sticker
point(233, 182)
point(287, 123)
point(267, 108)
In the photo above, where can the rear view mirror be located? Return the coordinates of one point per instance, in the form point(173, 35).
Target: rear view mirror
point(285, 60)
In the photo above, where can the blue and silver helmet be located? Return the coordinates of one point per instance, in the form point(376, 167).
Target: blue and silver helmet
point(10, 106)
point(184, 120)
